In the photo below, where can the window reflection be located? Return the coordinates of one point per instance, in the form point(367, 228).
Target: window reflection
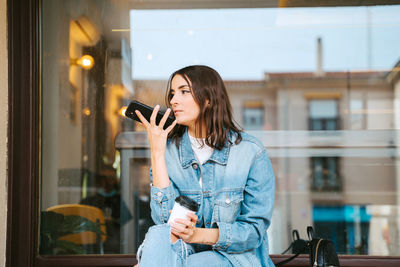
point(108, 198)
point(325, 174)
point(324, 115)
point(253, 115)
point(347, 226)
point(319, 86)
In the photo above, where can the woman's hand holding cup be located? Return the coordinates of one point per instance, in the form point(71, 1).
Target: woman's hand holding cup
point(183, 228)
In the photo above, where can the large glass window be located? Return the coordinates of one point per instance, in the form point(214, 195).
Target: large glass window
point(319, 87)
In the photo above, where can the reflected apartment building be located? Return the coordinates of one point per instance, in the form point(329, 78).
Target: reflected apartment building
point(331, 141)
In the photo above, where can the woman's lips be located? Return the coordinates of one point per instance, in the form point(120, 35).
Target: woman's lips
point(177, 111)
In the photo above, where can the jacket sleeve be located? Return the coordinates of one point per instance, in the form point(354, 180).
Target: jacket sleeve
point(161, 201)
point(248, 230)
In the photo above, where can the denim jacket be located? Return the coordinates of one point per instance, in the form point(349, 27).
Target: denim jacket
point(237, 196)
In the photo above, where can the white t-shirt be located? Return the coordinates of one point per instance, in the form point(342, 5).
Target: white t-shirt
point(202, 153)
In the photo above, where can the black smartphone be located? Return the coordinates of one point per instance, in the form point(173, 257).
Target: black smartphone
point(146, 112)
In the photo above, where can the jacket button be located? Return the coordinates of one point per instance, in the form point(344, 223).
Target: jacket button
point(195, 166)
point(227, 201)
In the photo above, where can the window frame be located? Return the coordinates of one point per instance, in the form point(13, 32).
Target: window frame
point(23, 18)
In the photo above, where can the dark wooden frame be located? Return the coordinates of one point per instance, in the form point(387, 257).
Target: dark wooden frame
point(24, 155)
point(23, 132)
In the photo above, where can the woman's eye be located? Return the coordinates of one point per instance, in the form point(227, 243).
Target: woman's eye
point(185, 92)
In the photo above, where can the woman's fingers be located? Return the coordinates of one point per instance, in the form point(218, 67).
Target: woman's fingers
point(182, 221)
point(178, 226)
point(164, 118)
point(153, 118)
point(184, 229)
point(181, 231)
point(193, 217)
point(177, 233)
point(154, 115)
point(142, 119)
point(171, 126)
point(183, 225)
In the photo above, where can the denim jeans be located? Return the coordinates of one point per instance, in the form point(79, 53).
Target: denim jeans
point(158, 251)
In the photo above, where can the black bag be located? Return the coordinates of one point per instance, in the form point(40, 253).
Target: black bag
point(322, 252)
point(298, 245)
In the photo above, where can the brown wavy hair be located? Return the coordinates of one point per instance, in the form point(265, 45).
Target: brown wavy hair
point(207, 87)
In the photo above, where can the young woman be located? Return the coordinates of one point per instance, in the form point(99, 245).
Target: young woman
point(204, 156)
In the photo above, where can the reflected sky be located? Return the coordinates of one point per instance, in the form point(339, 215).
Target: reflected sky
point(243, 44)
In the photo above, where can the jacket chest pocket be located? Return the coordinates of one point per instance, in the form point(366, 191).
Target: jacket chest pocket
point(226, 206)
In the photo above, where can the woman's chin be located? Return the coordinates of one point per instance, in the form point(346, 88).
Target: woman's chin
point(181, 122)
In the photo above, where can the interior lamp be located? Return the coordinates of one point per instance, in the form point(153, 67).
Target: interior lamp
point(122, 111)
point(86, 62)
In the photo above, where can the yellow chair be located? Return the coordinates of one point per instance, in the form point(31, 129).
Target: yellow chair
point(89, 212)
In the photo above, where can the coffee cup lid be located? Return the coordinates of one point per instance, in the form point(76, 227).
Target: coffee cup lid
point(188, 203)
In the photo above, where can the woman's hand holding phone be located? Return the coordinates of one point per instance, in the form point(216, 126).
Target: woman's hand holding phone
point(155, 133)
point(157, 137)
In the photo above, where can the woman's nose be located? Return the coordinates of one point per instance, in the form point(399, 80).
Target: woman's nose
point(173, 100)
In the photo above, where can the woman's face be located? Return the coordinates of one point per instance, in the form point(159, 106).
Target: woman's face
point(186, 110)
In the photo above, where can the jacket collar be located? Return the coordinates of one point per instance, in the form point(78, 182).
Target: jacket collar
point(187, 156)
